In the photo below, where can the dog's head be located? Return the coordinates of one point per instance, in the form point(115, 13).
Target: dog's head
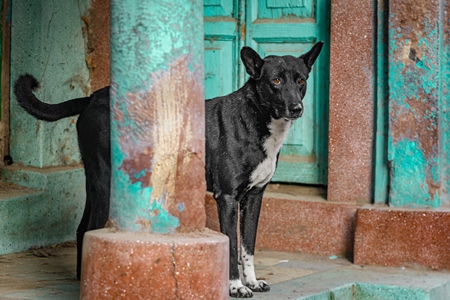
point(281, 80)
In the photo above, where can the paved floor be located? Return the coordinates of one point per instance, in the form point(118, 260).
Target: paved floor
point(49, 274)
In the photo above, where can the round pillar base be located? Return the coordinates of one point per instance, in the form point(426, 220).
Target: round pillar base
point(124, 265)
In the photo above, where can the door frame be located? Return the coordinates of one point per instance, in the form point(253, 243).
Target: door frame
point(5, 81)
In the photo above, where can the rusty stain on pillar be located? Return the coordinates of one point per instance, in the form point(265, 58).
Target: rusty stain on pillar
point(157, 121)
point(414, 103)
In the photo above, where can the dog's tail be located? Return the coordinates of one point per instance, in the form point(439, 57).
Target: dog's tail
point(23, 90)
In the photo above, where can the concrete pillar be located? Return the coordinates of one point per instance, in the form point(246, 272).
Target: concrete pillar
point(351, 105)
point(158, 247)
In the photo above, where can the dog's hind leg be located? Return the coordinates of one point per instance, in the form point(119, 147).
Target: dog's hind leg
point(250, 207)
point(96, 211)
point(228, 211)
point(94, 141)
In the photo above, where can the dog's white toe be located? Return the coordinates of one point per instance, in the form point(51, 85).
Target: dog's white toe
point(242, 292)
point(238, 290)
point(259, 286)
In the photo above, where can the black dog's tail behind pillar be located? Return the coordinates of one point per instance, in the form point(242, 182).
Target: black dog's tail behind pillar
point(23, 90)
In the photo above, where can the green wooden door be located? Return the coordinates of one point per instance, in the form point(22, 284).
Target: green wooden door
point(221, 46)
point(275, 27)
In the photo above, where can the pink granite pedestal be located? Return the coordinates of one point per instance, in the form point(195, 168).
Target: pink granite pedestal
point(124, 265)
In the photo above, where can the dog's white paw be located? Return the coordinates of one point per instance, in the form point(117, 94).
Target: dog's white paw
point(238, 290)
point(249, 273)
point(258, 286)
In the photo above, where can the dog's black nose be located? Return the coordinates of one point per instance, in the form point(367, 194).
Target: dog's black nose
point(296, 110)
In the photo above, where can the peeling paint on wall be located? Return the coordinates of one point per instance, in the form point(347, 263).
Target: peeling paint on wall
point(414, 104)
point(411, 187)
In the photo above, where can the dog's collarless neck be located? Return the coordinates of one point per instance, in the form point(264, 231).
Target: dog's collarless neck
point(257, 109)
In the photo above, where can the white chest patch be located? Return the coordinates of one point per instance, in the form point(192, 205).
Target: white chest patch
point(272, 145)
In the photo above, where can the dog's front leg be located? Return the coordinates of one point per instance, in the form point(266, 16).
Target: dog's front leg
point(228, 211)
point(249, 215)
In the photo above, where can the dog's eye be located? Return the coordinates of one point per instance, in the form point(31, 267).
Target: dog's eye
point(301, 81)
point(276, 81)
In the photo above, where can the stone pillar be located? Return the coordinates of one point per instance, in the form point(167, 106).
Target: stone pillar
point(351, 101)
point(158, 247)
point(414, 103)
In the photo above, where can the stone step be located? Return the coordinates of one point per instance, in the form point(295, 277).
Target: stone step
point(357, 282)
point(9, 191)
point(39, 207)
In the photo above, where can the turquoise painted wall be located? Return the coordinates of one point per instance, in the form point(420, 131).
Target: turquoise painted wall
point(47, 42)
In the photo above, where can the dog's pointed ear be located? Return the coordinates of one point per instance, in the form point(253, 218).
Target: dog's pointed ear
point(252, 61)
point(310, 57)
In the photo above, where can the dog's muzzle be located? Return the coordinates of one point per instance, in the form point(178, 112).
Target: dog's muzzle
point(294, 111)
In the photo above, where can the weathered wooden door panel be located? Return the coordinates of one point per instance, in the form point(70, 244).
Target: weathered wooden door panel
point(218, 68)
point(282, 9)
point(220, 44)
point(218, 8)
point(278, 27)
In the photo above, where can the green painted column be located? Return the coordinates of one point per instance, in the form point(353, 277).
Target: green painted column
point(158, 167)
point(415, 103)
point(157, 118)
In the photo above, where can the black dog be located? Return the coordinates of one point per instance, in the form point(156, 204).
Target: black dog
point(244, 134)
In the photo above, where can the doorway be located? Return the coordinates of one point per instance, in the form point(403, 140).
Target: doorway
point(275, 27)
